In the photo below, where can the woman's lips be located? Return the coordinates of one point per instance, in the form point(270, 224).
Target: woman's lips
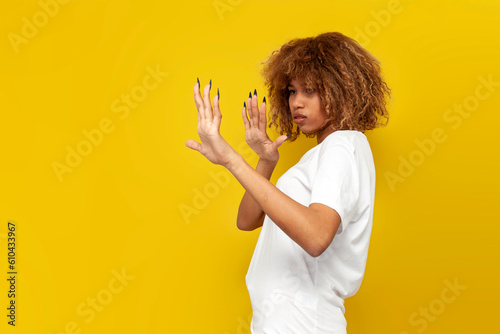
point(299, 119)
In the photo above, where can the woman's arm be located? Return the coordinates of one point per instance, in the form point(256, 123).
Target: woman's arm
point(250, 214)
point(312, 227)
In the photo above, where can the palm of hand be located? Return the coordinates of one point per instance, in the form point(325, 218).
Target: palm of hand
point(212, 143)
point(261, 144)
point(212, 146)
point(255, 131)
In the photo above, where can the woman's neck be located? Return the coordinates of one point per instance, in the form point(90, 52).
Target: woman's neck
point(323, 133)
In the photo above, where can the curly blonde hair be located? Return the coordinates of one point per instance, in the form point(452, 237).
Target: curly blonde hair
point(346, 76)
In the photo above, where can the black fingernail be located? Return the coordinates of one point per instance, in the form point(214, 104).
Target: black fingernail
point(244, 104)
point(288, 136)
point(255, 92)
point(250, 95)
point(264, 100)
point(210, 83)
point(198, 81)
point(218, 96)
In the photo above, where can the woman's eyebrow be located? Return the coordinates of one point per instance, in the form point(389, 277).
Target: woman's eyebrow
point(301, 84)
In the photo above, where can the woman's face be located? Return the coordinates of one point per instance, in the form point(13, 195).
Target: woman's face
point(306, 109)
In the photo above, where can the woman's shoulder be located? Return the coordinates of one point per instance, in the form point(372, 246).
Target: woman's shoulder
point(350, 139)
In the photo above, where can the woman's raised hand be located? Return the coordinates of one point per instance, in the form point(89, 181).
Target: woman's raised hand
point(255, 130)
point(212, 145)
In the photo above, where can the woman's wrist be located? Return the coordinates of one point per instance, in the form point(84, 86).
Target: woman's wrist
point(267, 163)
point(234, 162)
point(266, 167)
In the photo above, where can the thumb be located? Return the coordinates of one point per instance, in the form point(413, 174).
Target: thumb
point(280, 140)
point(194, 145)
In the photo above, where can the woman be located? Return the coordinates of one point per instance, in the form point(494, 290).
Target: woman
point(316, 222)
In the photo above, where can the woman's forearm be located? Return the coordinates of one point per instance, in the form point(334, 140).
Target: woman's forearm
point(250, 214)
point(312, 227)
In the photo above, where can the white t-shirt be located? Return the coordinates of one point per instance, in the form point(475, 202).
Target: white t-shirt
point(291, 291)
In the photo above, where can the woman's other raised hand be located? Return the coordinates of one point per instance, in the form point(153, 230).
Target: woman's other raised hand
point(255, 130)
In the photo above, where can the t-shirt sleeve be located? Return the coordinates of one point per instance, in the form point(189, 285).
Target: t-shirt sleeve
point(336, 184)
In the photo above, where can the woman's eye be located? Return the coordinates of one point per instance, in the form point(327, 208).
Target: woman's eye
point(291, 92)
point(311, 90)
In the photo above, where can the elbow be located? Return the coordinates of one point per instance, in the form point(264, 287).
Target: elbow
point(322, 232)
point(241, 226)
point(319, 246)
point(315, 250)
point(244, 225)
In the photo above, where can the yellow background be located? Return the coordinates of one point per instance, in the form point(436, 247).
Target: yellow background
point(123, 207)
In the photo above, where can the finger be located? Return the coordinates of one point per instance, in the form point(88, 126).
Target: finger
point(194, 145)
point(255, 111)
point(280, 140)
point(200, 105)
point(217, 113)
point(262, 117)
point(245, 117)
point(207, 110)
point(249, 109)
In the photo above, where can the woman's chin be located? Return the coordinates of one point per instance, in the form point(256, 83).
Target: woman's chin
point(307, 130)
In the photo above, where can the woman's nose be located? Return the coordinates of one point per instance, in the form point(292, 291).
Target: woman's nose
point(298, 101)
